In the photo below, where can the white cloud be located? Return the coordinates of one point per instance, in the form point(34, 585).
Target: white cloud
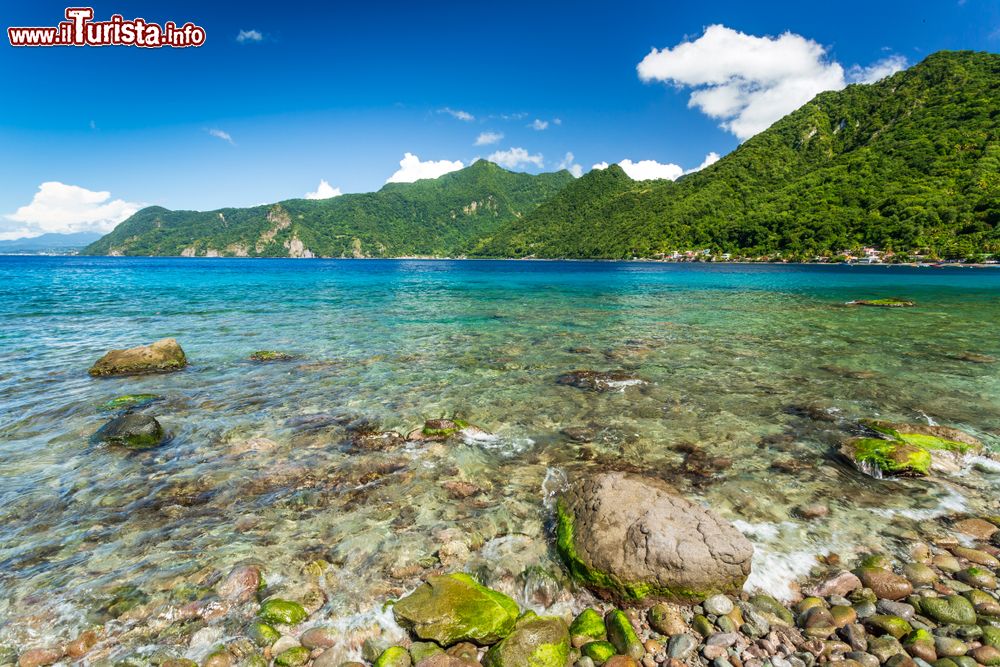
point(709, 160)
point(412, 169)
point(557, 121)
point(567, 163)
point(458, 113)
point(878, 70)
point(648, 170)
point(221, 134)
point(749, 82)
point(516, 157)
point(323, 191)
point(539, 124)
point(249, 36)
point(487, 138)
point(62, 209)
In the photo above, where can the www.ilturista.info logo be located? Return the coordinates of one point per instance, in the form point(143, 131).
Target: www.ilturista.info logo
point(79, 29)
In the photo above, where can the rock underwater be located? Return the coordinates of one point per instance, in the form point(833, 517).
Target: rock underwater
point(163, 356)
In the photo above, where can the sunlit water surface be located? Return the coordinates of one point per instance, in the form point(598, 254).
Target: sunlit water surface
point(753, 374)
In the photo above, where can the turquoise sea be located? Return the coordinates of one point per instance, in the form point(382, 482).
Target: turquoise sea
point(750, 377)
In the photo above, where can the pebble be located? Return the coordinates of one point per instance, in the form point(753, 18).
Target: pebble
point(949, 647)
point(37, 657)
point(722, 639)
point(720, 605)
point(681, 646)
point(901, 609)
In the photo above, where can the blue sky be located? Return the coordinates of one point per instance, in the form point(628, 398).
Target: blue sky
point(340, 92)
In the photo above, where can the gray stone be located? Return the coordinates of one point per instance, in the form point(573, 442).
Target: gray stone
point(720, 605)
point(637, 529)
point(901, 609)
point(681, 646)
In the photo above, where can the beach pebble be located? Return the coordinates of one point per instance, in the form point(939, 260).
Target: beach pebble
point(719, 605)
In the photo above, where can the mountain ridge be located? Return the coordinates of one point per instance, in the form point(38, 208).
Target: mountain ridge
point(908, 163)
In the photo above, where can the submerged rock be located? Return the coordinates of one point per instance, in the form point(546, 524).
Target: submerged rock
point(270, 355)
point(536, 641)
point(134, 431)
point(452, 608)
point(599, 380)
point(285, 612)
point(162, 356)
point(927, 436)
point(887, 457)
point(632, 538)
point(890, 302)
point(128, 402)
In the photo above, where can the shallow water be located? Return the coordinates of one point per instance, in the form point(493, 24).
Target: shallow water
point(744, 367)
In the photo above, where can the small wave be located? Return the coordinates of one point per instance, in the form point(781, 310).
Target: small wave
point(774, 570)
point(952, 502)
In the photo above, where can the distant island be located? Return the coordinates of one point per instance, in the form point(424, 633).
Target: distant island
point(903, 170)
point(49, 244)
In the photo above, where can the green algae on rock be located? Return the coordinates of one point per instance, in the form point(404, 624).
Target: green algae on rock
point(927, 436)
point(674, 549)
point(394, 656)
point(281, 611)
point(600, 651)
point(588, 623)
point(293, 657)
point(622, 635)
point(536, 641)
point(134, 431)
point(953, 609)
point(263, 634)
point(163, 356)
point(889, 457)
point(889, 302)
point(128, 402)
point(455, 607)
point(270, 355)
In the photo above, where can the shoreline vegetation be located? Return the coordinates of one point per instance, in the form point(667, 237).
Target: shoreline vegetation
point(896, 171)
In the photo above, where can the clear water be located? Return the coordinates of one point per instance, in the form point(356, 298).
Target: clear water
point(747, 366)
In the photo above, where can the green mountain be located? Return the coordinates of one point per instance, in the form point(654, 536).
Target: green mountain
point(911, 162)
point(442, 216)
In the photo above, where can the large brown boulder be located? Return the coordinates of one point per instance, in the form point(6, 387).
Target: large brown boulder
point(633, 539)
point(162, 356)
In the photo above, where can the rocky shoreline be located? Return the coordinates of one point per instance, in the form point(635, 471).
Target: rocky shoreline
point(654, 579)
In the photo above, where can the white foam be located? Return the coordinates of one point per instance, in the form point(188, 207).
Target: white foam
point(622, 385)
point(983, 464)
point(555, 481)
point(952, 502)
point(774, 569)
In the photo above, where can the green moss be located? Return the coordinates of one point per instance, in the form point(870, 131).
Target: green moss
point(622, 635)
point(920, 635)
point(446, 432)
point(293, 657)
point(588, 624)
point(991, 636)
point(889, 625)
point(263, 634)
point(922, 440)
point(128, 402)
point(270, 355)
point(890, 302)
point(453, 608)
point(394, 656)
point(600, 652)
point(892, 456)
point(595, 579)
point(536, 641)
point(285, 612)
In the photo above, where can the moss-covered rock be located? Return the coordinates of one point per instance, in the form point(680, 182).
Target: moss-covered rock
point(890, 457)
point(263, 634)
point(632, 538)
point(162, 356)
point(927, 436)
point(600, 652)
point(623, 635)
point(128, 402)
point(134, 431)
point(394, 656)
point(536, 641)
point(886, 624)
point(423, 650)
point(452, 608)
point(991, 636)
point(588, 624)
point(953, 609)
point(889, 302)
point(294, 657)
point(270, 355)
point(285, 612)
